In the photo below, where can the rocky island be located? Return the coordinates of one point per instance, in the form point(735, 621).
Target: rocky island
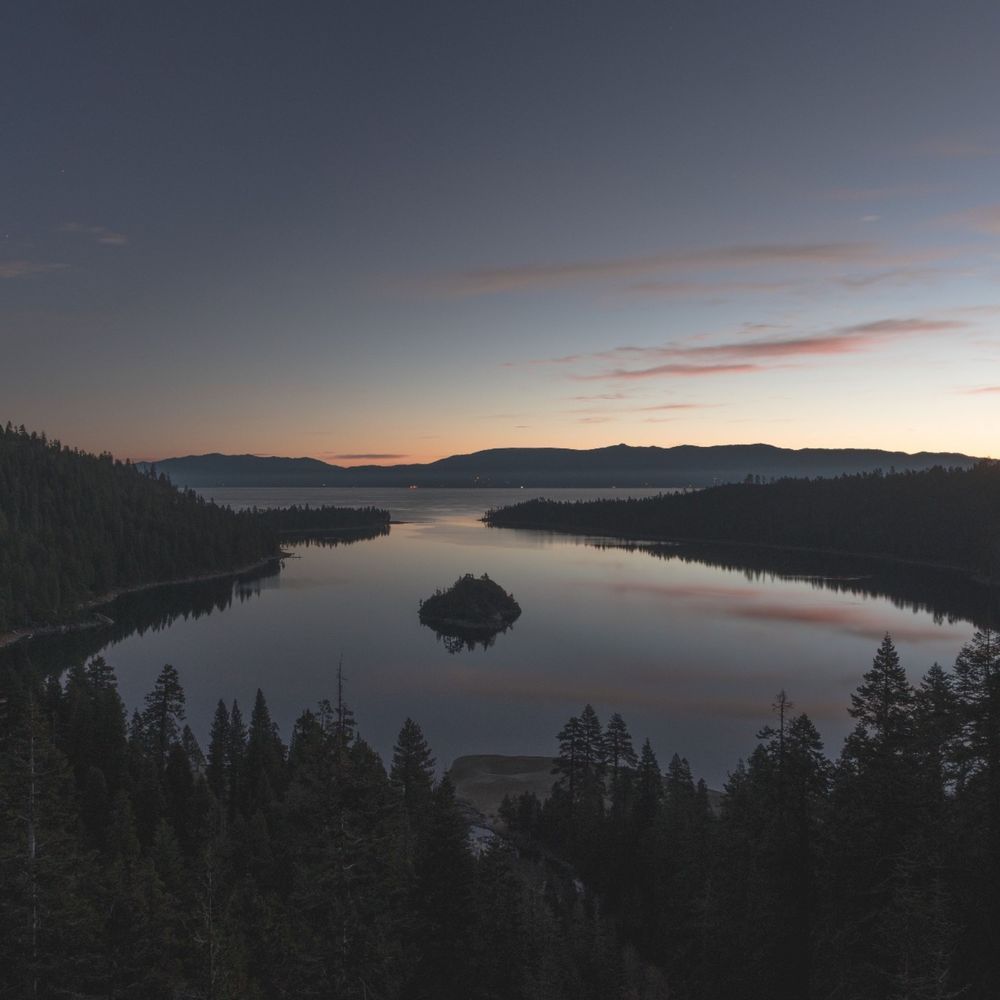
point(470, 612)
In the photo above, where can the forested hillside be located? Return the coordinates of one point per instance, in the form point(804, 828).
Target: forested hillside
point(136, 865)
point(945, 516)
point(296, 521)
point(875, 876)
point(75, 526)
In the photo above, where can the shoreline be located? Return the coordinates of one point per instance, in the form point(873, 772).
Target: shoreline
point(291, 534)
point(970, 574)
point(26, 634)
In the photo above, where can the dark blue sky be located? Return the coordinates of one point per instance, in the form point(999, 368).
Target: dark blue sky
point(414, 229)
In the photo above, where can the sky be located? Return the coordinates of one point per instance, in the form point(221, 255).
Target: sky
point(378, 232)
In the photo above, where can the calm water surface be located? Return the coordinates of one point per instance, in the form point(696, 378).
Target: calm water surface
point(691, 654)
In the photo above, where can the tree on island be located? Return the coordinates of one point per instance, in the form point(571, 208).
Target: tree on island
point(472, 611)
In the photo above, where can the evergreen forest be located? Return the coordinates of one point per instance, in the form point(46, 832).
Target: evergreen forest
point(949, 517)
point(305, 520)
point(76, 527)
point(135, 864)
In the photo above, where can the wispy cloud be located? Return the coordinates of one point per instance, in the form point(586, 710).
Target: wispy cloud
point(545, 276)
point(748, 355)
point(675, 406)
point(884, 193)
point(983, 390)
point(566, 359)
point(985, 219)
point(100, 234)
point(11, 269)
point(364, 454)
point(953, 148)
point(895, 276)
point(707, 289)
point(678, 370)
point(984, 309)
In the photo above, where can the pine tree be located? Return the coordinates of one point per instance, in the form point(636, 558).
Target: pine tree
point(412, 770)
point(265, 758)
point(977, 683)
point(569, 762)
point(618, 750)
point(444, 905)
point(344, 725)
point(649, 786)
point(593, 759)
point(882, 706)
point(236, 751)
point(937, 723)
point(163, 714)
point(876, 802)
point(47, 922)
point(218, 750)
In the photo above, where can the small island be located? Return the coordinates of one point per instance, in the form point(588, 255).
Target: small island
point(470, 612)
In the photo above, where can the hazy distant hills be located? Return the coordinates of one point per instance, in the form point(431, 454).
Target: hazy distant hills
point(620, 465)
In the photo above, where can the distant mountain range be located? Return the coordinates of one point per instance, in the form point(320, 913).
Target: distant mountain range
point(620, 465)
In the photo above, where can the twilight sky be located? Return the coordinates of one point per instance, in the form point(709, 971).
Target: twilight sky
point(371, 231)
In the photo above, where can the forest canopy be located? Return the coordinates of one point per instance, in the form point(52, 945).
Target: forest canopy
point(470, 603)
point(949, 517)
point(137, 864)
point(304, 520)
point(76, 526)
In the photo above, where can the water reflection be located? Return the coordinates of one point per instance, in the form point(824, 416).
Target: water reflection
point(946, 595)
point(144, 611)
point(331, 540)
point(691, 644)
point(456, 639)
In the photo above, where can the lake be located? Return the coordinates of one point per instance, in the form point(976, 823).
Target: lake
point(689, 645)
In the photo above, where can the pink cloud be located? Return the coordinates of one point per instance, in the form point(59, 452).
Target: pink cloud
point(680, 370)
point(897, 276)
point(685, 289)
point(741, 356)
point(100, 234)
point(985, 219)
point(11, 269)
point(884, 193)
point(535, 277)
point(953, 148)
point(675, 406)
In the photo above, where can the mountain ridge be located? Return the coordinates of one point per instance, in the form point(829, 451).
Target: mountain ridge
point(615, 465)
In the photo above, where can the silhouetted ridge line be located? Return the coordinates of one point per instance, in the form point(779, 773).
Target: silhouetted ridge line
point(619, 465)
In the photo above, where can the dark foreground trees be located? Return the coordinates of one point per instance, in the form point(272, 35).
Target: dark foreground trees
point(133, 865)
point(875, 876)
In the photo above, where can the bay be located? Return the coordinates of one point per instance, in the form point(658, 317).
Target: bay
point(689, 645)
